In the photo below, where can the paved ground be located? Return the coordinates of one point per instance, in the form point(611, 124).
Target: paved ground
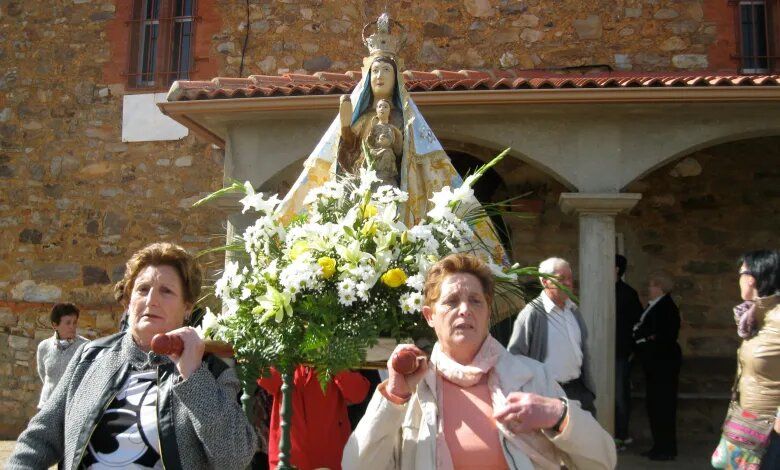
point(5, 450)
point(692, 457)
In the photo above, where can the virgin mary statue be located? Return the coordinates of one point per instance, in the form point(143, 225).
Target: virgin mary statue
point(423, 165)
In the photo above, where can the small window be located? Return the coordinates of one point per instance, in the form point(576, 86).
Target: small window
point(161, 39)
point(754, 36)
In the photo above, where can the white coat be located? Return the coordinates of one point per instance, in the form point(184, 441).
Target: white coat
point(403, 437)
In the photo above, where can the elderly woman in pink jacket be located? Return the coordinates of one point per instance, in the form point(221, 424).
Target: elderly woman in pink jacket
point(474, 405)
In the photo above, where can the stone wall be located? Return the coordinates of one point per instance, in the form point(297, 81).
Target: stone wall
point(649, 35)
point(75, 201)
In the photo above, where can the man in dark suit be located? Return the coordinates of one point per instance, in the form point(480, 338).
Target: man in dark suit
point(660, 355)
point(628, 309)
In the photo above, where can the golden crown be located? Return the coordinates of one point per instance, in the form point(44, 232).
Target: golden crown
point(382, 41)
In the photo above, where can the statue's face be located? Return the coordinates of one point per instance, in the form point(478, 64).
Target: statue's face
point(383, 109)
point(382, 79)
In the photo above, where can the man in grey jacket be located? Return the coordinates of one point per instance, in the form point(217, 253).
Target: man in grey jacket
point(551, 330)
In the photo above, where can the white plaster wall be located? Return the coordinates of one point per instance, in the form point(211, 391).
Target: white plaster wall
point(142, 120)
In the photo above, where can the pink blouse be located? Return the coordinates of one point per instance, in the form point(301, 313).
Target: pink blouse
point(469, 428)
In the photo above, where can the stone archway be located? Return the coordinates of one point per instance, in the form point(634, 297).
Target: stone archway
point(687, 148)
point(697, 215)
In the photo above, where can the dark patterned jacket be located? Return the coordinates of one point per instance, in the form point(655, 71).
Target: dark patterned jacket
point(200, 422)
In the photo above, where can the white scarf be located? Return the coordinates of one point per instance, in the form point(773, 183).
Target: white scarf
point(535, 445)
point(467, 375)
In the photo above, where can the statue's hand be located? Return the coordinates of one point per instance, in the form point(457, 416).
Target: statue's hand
point(345, 110)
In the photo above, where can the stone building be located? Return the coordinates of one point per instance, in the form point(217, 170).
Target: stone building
point(649, 127)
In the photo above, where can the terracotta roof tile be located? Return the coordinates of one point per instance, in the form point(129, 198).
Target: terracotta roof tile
point(330, 83)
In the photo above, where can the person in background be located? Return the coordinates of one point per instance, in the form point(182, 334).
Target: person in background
point(475, 405)
point(120, 405)
point(551, 330)
point(55, 352)
point(661, 357)
point(628, 309)
point(758, 324)
point(320, 423)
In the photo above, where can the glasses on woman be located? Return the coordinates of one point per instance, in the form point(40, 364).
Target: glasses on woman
point(745, 272)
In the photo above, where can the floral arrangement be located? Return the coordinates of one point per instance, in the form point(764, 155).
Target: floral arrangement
point(323, 288)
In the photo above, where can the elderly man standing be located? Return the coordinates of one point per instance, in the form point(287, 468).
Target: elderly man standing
point(551, 330)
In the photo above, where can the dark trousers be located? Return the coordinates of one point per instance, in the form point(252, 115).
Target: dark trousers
point(622, 396)
point(662, 372)
point(576, 390)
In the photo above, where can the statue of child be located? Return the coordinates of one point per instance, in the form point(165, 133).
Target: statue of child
point(384, 144)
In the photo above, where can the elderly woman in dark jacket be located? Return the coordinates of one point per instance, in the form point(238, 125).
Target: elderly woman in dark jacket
point(120, 405)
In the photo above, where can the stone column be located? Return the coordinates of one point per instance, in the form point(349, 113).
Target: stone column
point(597, 286)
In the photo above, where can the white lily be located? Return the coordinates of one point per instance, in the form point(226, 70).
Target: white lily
point(442, 203)
point(256, 201)
point(230, 279)
point(274, 304)
point(208, 325)
point(352, 254)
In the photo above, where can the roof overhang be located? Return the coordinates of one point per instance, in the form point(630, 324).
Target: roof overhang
point(211, 118)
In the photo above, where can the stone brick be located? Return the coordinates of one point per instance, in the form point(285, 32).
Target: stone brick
point(317, 64)
point(435, 30)
point(506, 36)
point(588, 28)
point(31, 235)
point(113, 224)
point(673, 43)
point(117, 273)
point(633, 12)
point(260, 26)
point(430, 53)
point(508, 60)
point(526, 21)
point(690, 61)
point(29, 291)
point(682, 27)
point(479, 8)
point(18, 342)
point(94, 275)
point(116, 147)
point(226, 47)
point(623, 62)
point(8, 318)
point(6, 169)
point(665, 14)
point(531, 35)
point(686, 168)
point(55, 271)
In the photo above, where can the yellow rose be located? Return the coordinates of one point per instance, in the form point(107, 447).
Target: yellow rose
point(300, 247)
point(328, 266)
point(394, 277)
point(370, 211)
